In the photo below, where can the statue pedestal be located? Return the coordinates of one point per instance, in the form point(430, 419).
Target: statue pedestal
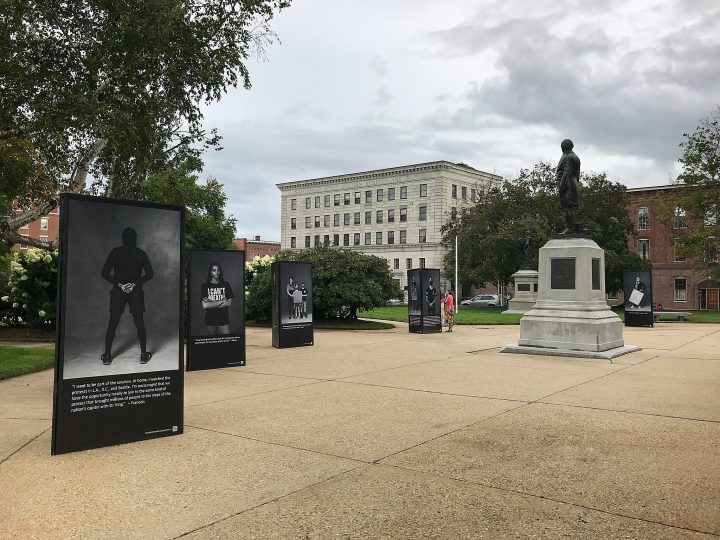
point(526, 292)
point(571, 316)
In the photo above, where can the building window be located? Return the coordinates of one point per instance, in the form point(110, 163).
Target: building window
point(368, 238)
point(453, 212)
point(368, 196)
point(293, 242)
point(43, 239)
point(308, 202)
point(293, 204)
point(422, 236)
point(317, 201)
point(307, 241)
point(336, 239)
point(454, 191)
point(346, 198)
point(643, 218)
point(357, 218)
point(293, 223)
point(391, 237)
point(680, 218)
point(391, 194)
point(308, 222)
point(357, 197)
point(379, 195)
point(336, 199)
point(423, 190)
point(396, 264)
point(326, 220)
point(464, 193)
point(403, 237)
point(346, 239)
point(326, 240)
point(680, 290)
point(422, 262)
point(678, 256)
point(368, 217)
point(327, 200)
point(710, 218)
point(378, 238)
point(317, 221)
point(336, 220)
point(423, 213)
point(612, 295)
point(346, 219)
point(23, 245)
point(408, 263)
point(403, 192)
point(644, 249)
point(473, 194)
point(379, 216)
point(403, 213)
point(391, 216)
point(356, 238)
point(317, 240)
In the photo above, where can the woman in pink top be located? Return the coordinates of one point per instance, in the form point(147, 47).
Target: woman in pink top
point(450, 310)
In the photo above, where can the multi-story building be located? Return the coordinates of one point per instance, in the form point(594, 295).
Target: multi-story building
point(678, 284)
point(256, 247)
point(394, 213)
point(45, 228)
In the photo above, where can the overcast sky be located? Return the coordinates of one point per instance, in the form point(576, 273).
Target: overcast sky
point(360, 85)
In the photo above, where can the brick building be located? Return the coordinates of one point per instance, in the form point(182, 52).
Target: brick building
point(256, 247)
point(678, 284)
point(45, 228)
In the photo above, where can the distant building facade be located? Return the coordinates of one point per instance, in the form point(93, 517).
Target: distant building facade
point(45, 228)
point(678, 284)
point(257, 247)
point(394, 213)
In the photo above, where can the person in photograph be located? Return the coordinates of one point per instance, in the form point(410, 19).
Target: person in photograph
point(430, 296)
point(640, 287)
point(127, 268)
point(217, 295)
point(297, 302)
point(413, 295)
point(290, 289)
point(304, 292)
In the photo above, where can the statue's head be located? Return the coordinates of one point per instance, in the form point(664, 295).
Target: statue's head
point(566, 145)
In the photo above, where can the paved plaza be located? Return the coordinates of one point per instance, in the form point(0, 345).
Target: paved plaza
point(385, 434)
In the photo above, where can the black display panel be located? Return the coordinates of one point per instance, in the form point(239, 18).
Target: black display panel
point(637, 290)
point(216, 309)
point(119, 349)
point(424, 301)
point(292, 317)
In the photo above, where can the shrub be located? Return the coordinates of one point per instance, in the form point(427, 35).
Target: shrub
point(31, 288)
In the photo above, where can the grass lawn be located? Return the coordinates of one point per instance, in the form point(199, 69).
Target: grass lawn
point(20, 360)
point(335, 324)
point(493, 315)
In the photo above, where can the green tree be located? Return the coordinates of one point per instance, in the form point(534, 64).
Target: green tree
point(700, 198)
point(206, 225)
point(115, 89)
point(491, 233)
point(344, 281)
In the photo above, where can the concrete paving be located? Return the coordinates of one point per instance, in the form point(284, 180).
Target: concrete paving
point(388, 434)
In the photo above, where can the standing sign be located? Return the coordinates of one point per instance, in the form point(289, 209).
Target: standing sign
point(216, 309)
point(637, 289)
point(118, 357)
point(424, 301)
point(292, 323)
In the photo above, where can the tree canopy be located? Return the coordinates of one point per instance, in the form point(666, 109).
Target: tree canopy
point(113, 90)
point(491, 233)
point(700, 200)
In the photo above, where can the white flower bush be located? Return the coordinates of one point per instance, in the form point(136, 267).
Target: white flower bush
point(32, 279)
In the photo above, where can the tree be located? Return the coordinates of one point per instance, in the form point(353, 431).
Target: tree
point(700, 198)
point(491, 233)
point(344, 281)
point(206, 225)
point(114, 89)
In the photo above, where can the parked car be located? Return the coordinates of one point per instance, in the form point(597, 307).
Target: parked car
point(482, 300)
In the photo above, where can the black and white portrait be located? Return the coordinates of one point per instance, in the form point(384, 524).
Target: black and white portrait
point(637, 291)
point(296, 293)
point(431, 298)
point(414, 292)
point(122, 289)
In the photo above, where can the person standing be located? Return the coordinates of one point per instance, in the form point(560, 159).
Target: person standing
point(450, 310)
point(290, 289)
point(304, 291)
point(127, 267)
point(217, 295)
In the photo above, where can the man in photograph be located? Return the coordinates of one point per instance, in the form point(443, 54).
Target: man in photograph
point(430, 297)
point(290, 289)
point(304, 292)
point(127, 267)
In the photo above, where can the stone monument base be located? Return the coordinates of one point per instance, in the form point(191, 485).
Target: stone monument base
point(604, 355)
point(526, 290)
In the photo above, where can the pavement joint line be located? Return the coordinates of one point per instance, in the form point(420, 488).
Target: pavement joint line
point(24, 445)
point(288, 446)
point(260, 505)
point(22, 418)
point(547, 498)
point(317, 381)
point(628, 411)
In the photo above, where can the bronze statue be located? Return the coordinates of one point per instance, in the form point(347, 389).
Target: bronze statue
point(528, 255)
point(567, 176)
